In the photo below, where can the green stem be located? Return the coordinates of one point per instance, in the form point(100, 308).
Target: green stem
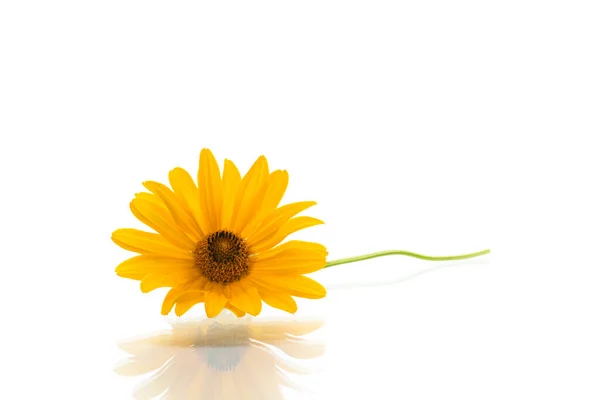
point(403, 253)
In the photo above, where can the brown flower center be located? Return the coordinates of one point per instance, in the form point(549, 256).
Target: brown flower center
point(222, 257)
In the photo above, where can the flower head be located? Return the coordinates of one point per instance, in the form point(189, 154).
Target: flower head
point(219, 242)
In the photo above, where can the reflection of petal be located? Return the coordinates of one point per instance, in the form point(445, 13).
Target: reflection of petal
point(144, 364)
point(157, 383)
point(284, 380)
point(279, 329)
point(284, 363)
point(299, 348)
point(221, 359)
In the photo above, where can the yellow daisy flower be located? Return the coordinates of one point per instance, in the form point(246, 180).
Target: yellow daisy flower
point(220, 242)
point(222, 359)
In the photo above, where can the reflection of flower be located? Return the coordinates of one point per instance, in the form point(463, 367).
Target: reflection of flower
point(217, 359)
point(218, 243)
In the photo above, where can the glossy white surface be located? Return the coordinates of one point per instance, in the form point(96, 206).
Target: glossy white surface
point(436, 127)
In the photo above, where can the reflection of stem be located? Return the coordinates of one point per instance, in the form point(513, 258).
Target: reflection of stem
point(362, 284)
point(404, 253)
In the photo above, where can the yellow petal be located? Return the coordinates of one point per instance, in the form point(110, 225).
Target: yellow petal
point(277, 187)
point(159, 219)
point(214, 301)
point(210, 188)
point(151, 198)
point(277, 218)
point(274, 192)
point(146, 242)
point(139, 266)
point(178, 211)
point(231, 182)
point(186, 190)
point(251, 190)
point(187, 300)
point(169, 300)
point(278, 300)
point(295, 285)
point(291, 226)
point(291, 245)
point(198, 283)
point(238, 313)
point(245, 297)
point(291, 262)
point(153, 281)
point(154, 186)
point(156, 280)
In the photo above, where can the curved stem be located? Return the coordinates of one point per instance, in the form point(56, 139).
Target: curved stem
point(403, 253)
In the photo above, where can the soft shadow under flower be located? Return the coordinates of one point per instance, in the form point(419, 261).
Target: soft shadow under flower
point(223, 359)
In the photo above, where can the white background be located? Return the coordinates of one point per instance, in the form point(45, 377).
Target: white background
point(440, 127)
